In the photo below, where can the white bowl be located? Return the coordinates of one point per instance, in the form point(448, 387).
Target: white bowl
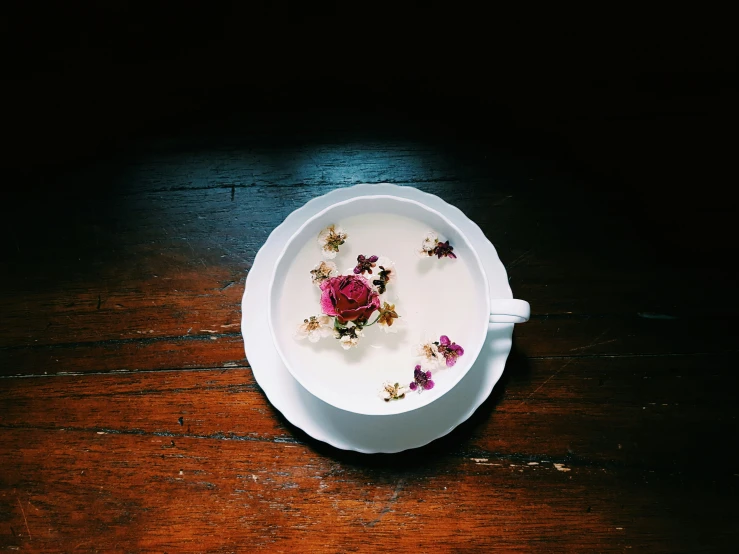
point(433, 296)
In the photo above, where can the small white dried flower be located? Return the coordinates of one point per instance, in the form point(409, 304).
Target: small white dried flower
point(386, 274)
point(349, 336)
point(323, 271)
point(392, 391)
point(428, 355)
point(430, 240)
point(314, 328)
point(330, 239)
point(348, 341)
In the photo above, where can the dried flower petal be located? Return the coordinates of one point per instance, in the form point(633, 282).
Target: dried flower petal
point(348, 342)
point(365, 264)
point(330, 239)
point(421, 380)
point(387, 317)
point(432, 246)
point(348, 335)
point(323, 271)
point(392, 391)
point(444, 250)
point(314, 328)
point(450, 350)
point(386, 274)
point(429, 355)
point(430, 240)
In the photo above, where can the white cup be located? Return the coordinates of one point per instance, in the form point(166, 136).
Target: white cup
point(344, 379)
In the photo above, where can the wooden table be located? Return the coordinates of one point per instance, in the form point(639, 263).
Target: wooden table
point(130, 419)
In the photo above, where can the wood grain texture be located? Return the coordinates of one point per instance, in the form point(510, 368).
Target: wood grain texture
point(592, 410)
point(130, 419)
point(152, 493)
point(220, 345)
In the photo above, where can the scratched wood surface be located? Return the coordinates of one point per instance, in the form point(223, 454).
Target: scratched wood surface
point(130, 419)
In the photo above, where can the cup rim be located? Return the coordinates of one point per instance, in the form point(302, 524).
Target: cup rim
point(396, 407)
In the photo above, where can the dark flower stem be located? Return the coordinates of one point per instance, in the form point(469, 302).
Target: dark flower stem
point(371, 324)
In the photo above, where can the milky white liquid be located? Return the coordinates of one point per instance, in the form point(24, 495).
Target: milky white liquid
point(432, 296)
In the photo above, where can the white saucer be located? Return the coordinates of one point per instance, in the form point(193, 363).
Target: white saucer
point(364, 433)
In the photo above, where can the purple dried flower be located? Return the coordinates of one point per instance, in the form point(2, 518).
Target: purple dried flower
point(365, 264)
point(450, 350)
point(444, 249)
point(421, 380)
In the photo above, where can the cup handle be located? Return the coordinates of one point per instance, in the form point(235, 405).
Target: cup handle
point(508, 310)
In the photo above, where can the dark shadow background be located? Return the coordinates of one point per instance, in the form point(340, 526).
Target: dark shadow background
point(641, 105)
